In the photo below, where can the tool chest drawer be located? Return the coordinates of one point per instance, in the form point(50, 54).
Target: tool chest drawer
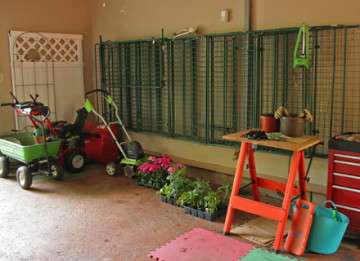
point(343, 186)
point(346, 164)
point(346, 196)
point(352, 213)
point(350, 181)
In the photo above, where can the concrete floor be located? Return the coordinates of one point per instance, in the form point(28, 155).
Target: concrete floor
point(91, 216)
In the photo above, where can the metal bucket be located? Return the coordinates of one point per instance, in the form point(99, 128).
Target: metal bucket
point(292, 127)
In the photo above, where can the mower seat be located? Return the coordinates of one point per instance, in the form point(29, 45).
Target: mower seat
point(65, 129)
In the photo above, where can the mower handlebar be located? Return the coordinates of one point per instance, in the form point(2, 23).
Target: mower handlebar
point(16, 100)
point(23, 105)
point(96, 90)
point(6, 104)
point(39, 110)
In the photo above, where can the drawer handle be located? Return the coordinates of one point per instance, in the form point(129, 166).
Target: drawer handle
point(349, 208)
point(347, 163)
point(346, 176)
point(346, 156)
point(348, 189)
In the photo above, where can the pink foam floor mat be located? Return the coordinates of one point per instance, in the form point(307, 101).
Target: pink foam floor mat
point(201, 244)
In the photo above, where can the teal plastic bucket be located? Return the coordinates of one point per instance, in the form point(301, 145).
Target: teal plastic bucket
point(327, 229)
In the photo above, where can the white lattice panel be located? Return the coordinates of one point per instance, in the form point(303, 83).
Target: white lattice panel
point(48, 64)
point(38, 47)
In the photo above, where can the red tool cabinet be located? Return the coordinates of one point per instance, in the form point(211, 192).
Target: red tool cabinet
point(343, 186)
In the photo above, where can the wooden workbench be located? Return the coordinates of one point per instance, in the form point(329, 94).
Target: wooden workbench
point(293, 144)
point(280, 214)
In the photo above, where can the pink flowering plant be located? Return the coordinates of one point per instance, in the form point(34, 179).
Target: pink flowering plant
point(176, 182)
point(155, 171)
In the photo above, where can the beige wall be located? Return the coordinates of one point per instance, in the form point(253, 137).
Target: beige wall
point(141, 19)
point(291, 13)
point(66, 16)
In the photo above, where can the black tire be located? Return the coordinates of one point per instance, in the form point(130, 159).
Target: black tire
point(57, 170)
point(4, 167)
point(23, 177)
point(75, 161)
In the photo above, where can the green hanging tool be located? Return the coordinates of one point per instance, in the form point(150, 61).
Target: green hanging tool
point(303, 59)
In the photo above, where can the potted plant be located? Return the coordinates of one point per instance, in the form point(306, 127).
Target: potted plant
point(161, 171)
point(178, 183)
point(153, 172)
point(143, 175)
point(164, 192)
point(214, 202)
point(193, 198)
point(174, 184)
point(187, 200)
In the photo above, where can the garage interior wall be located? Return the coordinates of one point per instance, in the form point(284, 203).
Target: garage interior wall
point(47, 16)
point(119, 20)
point(131, 20)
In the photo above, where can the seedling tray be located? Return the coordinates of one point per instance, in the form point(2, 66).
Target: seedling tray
point(22, 146)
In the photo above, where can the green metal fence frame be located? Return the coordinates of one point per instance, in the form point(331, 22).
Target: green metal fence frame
point(176, 87)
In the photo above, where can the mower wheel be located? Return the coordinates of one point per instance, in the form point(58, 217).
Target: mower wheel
point(129, 171)
point(57, 170)
point(75, 161)
point(23, 177)
point(112, 169)
point(4, 167)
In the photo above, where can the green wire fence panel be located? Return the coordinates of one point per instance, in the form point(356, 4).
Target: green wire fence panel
point(200, 88)
point(336, 79)
point(132, 72)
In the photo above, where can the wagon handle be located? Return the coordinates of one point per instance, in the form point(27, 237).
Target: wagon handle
point(39, 110)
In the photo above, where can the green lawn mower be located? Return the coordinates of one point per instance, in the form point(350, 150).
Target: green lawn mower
point(134, 155)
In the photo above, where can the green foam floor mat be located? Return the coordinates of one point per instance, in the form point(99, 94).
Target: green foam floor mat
point(259, 254)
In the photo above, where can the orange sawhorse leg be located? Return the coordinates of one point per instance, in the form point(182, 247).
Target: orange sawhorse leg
point(302, 181)
point(235, 188)
point(252, 169)
point(296, 160)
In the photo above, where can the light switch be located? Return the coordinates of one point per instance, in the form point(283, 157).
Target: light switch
point(225, 16)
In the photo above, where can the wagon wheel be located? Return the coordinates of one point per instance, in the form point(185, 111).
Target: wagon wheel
point(4, 167)
point(23, 177)
point(57, 170)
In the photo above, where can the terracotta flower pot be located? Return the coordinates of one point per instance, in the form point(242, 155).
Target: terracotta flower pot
point(269, 123)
